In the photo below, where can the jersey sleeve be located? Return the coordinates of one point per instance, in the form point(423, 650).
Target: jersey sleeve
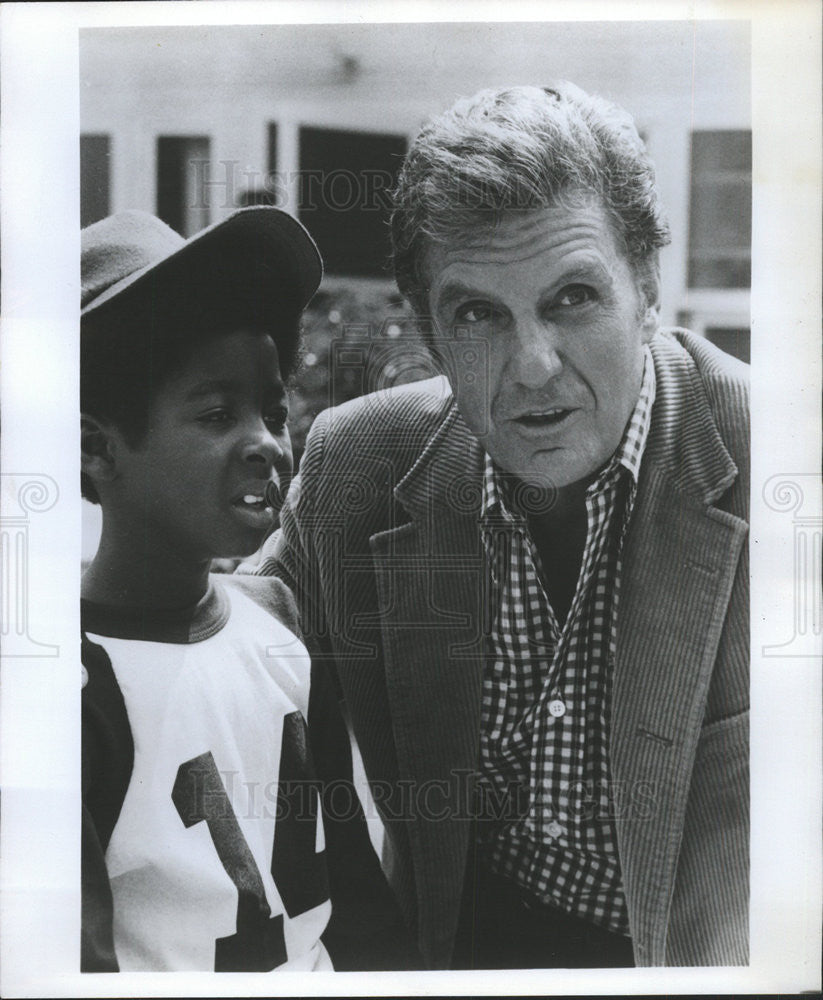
point(107, 760)
point(97, 952)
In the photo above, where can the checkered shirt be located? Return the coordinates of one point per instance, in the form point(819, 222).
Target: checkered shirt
point(547, 693)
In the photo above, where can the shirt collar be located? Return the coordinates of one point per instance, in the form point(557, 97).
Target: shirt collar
point(630, 450)
point(628, 454)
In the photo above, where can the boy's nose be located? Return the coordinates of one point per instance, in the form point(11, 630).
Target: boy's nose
point(261, 446)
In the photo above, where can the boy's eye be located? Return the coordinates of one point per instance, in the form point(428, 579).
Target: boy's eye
point(574, 295)
point(218, 415)
point(276, 419)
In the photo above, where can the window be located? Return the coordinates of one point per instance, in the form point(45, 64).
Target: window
point(272, 136)
point(182, 182)
point(720, 216)
point(343, 199)
point(732, 340)
point(727, 329)
point(271, 192)
point(95, 160)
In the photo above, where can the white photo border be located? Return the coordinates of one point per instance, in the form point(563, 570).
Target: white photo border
point(39, 712)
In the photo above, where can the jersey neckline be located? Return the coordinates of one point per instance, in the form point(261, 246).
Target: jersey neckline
point(181, 625)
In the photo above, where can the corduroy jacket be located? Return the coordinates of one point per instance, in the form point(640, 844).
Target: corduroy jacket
point(380, 542)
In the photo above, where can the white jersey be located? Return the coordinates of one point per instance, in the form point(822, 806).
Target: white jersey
point(216, 858)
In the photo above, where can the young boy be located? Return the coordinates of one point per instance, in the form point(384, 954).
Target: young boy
point(203, 844)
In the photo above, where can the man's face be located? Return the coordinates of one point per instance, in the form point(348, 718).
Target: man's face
point(564, 324)
point(217, 437)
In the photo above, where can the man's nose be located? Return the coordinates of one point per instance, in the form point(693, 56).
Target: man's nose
point(535, 354)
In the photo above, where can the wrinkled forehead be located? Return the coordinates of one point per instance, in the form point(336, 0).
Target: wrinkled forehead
point(506, 237)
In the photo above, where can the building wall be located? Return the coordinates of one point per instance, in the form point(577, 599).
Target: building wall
point(229, 83)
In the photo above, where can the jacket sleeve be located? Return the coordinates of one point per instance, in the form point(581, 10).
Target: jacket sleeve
point(366, 930)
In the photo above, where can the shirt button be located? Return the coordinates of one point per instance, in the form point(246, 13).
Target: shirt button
point(554, 829)
point(557, 708)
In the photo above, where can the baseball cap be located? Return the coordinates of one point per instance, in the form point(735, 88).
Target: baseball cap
point(260, 257)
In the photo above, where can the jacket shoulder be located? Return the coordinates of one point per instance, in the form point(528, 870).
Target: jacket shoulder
point(389, 425)
point(395, 408)
point(724, 379)
point(710, 389)
point(720, 373)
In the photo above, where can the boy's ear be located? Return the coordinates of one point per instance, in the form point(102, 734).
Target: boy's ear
point(97, 452)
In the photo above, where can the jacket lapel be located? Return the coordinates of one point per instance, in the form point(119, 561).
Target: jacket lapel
point(679, 564)
point(430, 577)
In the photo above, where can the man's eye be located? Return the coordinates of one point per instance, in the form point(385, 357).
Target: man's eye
point(474, 312)
point(574, 295)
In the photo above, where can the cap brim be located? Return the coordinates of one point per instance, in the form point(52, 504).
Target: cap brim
point(260, 249)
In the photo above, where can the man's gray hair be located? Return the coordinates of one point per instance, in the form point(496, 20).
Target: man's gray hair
point(521, 148)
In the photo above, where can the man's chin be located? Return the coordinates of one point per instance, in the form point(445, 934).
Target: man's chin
point(546, 471)
point(543, 484)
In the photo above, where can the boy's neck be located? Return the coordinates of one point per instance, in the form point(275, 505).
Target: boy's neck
point(123, 574)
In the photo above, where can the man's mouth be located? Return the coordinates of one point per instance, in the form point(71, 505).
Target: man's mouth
point(550, 417)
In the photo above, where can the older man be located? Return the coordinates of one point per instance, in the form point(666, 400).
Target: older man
point(529, 580)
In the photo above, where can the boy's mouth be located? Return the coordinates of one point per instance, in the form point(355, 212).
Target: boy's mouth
point(258, 502)
point(252, 501)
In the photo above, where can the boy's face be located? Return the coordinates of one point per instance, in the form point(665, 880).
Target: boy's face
point(216, 439)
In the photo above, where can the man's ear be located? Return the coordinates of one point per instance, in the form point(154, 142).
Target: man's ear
point(649, 287)
point(97, 449)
